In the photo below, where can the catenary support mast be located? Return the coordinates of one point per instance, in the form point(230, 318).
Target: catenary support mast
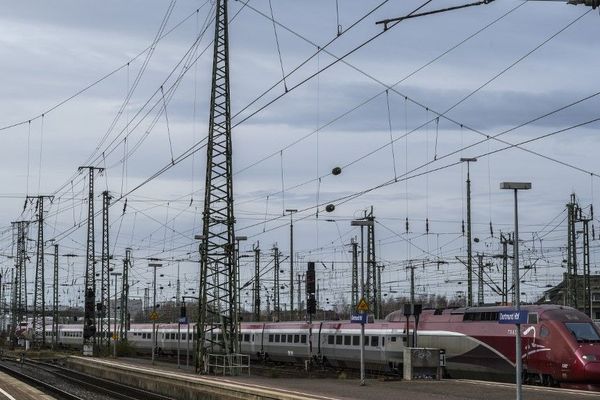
point(104, 317)
point(89, 319)
point(217, 300)
point(39, 300)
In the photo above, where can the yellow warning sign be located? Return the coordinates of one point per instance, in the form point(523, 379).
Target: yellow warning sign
point(153, 315)
point(362, 306)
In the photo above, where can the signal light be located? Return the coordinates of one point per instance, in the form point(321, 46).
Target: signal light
point(310, 278)
point(311, 304)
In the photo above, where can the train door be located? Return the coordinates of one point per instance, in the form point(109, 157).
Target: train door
point(529, 344)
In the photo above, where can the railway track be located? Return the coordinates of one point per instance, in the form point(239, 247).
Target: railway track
point(105, 389)
point(39, 384)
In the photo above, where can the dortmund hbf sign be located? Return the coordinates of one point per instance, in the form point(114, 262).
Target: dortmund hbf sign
point(512, 317)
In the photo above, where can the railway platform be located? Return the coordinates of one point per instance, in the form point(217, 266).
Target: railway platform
point(13, 389)
point(184, 384)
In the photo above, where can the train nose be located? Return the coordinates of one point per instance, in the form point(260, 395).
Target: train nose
point(592, 372)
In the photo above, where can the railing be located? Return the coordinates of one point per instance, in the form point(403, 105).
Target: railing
point(227, 364)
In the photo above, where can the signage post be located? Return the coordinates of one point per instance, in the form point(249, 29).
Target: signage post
point(362, 308)
point(516, 186)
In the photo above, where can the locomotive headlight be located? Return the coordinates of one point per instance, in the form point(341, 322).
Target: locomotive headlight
point(589, 357)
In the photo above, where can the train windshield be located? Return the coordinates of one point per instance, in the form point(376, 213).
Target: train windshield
point(583, 331)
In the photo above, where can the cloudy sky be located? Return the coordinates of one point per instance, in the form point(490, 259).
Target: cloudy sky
point(86, 83)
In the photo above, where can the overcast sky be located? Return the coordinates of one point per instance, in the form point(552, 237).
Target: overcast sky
point(464, 76)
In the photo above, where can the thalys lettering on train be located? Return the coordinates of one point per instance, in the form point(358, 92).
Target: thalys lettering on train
point(560, 345)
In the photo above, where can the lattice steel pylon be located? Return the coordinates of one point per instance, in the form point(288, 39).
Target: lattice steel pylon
point(19, 299)
point(276, 297)
point(256, 289)
point(89, 319)
point(55, 299)
point(39, 301)
point(104, 317)
point(371, 284)
point(217, 300)
point(355, 286)
point(124, 320)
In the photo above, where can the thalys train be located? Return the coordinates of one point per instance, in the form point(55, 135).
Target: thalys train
point(560, 345)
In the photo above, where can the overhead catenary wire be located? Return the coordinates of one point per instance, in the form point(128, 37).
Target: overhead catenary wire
point(392, 145)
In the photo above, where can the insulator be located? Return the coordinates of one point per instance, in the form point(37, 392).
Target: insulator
point(427, 225)
point(336, 171)
point(329, 207)
point(463, 227)
point(593, 233)
point(491, 229)
point(406, 224)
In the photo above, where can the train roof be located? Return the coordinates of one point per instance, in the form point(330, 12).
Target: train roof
point(567, 313)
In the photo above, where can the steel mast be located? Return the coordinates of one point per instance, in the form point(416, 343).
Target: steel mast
point(217, 308)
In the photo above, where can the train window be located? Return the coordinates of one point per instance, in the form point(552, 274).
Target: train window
point(375, 341)
point(283, 339)
point(303, 339)
point(277, 338)
point(367, 339)
point(296, 338)
point(583, 331)
point(290, 337)
point(393, 338)
point(383, 340)
point(246, 337)
point(355, 340)
point(184, 336)
point(253, 337)
point(330, 339)
point(271, 338)
point(347, 340)
point(532, 318)
point(338, 339)
point(544, 331)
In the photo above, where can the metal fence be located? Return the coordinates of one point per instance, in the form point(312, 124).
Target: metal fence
point(227, 364)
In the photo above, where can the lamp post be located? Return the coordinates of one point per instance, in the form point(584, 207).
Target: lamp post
point(516, 186)
point(116, 275)
point(362, 223)
point(238, 239)
point(469, 249)
point(153, 316)
point(187, 337)
point(291, 211)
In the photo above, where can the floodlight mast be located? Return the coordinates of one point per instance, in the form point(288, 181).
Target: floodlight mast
point(516, 186)
point(469, 160)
